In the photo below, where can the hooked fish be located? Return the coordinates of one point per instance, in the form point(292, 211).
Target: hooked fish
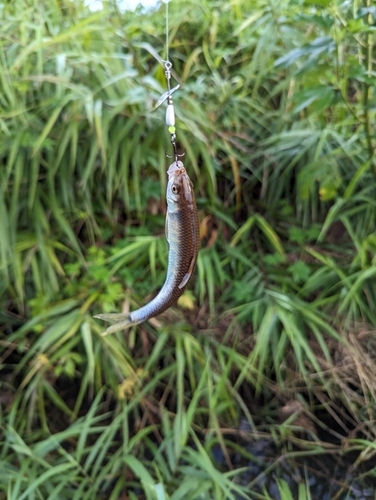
point(183, 236)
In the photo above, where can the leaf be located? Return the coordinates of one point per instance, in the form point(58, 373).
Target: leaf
point(250, 20)
point(273, 259)
point(187, 300)
point(319, 46)
point(356, 25)
point(321, 95)
point(324, 3)
point(323, 171)
point(296, 234)
point(300, 271)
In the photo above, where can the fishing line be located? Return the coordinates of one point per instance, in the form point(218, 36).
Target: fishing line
point(170, 112)
point(167, 31)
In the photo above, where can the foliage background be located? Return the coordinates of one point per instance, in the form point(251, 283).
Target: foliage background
point(276, 114)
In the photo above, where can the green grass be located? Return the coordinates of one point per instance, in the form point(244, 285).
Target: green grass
point(275, 115)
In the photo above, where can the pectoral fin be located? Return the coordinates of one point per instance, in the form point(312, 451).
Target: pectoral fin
point(188, 275)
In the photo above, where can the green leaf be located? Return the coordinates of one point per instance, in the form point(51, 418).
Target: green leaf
point(319, 46)
point(300, 271)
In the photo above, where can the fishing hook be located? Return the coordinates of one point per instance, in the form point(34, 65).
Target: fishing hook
point(176, 155)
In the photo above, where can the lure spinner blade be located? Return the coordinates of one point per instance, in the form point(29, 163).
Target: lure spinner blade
point(165, 96)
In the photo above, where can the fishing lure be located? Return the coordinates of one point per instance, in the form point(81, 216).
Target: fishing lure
point(183, 236)
point(182, 232)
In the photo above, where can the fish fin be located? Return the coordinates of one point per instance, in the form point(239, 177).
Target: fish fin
point(120, 325)
point(112, 317)
point(188, 275)
point(120, 320)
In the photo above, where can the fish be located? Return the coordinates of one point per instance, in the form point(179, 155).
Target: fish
point(183, 237)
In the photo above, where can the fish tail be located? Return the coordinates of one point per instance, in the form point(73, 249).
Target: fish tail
point(112, 317)
point(121, 321)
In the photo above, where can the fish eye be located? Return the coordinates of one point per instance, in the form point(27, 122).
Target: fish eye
point(175, 188)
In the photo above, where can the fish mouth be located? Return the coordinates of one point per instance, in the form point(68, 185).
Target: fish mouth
point(176, 168)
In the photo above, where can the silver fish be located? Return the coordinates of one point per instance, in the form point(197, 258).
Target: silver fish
point(183, 236)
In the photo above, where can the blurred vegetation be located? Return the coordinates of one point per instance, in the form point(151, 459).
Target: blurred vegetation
point(276, 114)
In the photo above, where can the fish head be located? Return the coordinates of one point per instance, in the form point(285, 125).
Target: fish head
point(179, 187)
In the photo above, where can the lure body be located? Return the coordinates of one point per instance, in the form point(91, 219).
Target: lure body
point(183, 236)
